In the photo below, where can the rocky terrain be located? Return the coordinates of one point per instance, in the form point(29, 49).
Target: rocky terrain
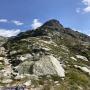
point(51, 57)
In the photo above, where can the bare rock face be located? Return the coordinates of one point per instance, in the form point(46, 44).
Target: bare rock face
point(48, 65)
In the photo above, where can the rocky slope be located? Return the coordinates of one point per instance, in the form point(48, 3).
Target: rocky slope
point(49, 58)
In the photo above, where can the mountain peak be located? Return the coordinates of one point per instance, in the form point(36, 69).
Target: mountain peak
point(53, 23)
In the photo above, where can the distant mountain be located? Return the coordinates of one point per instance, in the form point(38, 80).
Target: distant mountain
point(55, 57)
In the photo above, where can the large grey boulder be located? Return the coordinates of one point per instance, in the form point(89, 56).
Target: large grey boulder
point(48, 65)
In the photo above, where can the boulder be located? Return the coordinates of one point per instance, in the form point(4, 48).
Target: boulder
point(13, 52)
point(27, 83)
point(48, 65)
point(84, 69)
point(1, 58)
point(19, 77)
point(2, 51)
point(6, 81)
point(73, 58)
point(25, 67)
point(25, 57)
point(82, 57)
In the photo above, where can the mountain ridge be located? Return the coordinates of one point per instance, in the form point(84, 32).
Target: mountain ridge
point(52, 24)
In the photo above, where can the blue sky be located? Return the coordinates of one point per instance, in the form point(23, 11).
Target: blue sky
point(21, 15)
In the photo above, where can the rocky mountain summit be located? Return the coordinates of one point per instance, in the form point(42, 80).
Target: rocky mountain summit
point(49, 58)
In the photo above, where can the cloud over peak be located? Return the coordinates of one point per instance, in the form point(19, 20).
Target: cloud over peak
point(36, 23)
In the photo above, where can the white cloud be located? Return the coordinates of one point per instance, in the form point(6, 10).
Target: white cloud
point(3, 20)
point(86, 2)
point(9, 33)
point(87, 9)
point(36, 23)
point(18, 23)
point(87, 6)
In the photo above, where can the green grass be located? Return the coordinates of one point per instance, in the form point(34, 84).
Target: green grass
point(75, 76)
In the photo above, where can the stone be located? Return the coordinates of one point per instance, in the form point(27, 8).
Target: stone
point(1, 58)
point(13, 52)
point(25, 67)
point(56, 82)
point(46, 49)
point(2, 51)
point(73, 58)
point(84, 69)
point(19, 77)
point(48, 65)
point(7, 81)
point(25, 57)
point(6, 61)
point(27, 83)
point(82, 57)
